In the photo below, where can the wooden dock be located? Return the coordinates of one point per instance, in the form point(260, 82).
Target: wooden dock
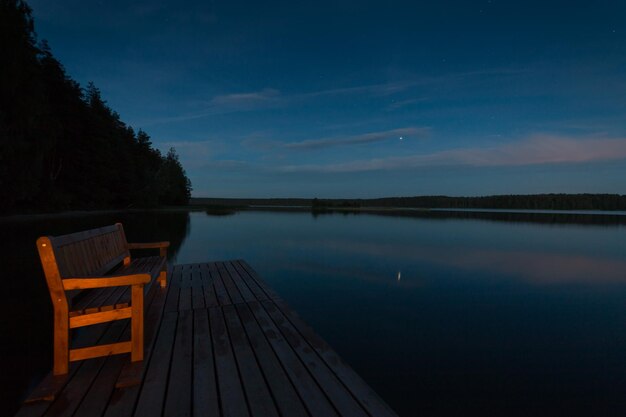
point(218, 342)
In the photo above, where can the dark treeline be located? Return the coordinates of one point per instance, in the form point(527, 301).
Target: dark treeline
point(556, 218)
point(523, 202)
point(61, 146)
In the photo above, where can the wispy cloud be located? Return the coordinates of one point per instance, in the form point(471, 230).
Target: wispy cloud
point(382, 89)
point(395, 105)
point(227, 103)
point(310, 144)
point(538, 149)
point(272, 98)
point(243, 101)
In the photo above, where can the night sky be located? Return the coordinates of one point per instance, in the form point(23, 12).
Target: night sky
point(362, 99)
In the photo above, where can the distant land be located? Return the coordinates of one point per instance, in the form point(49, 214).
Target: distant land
point(607, 202)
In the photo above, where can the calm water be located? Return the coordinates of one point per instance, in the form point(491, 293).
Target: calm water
point(443, 314)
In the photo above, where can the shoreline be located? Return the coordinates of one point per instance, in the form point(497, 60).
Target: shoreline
point(213, 209)
point(72, 213)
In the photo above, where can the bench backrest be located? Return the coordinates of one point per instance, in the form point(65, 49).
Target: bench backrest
point(88, 253)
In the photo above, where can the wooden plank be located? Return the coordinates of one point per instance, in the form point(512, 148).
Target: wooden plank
point(241, 358)
point(197, 288)
point(205, 396)
point(132, 372)
point(82, 249)
point(91, 253)
point(210, 298)
point(86, 234)
point(220, 290)
point(245, 292)
point(46, 391)
point(102, 282)
point(258, 292)
point(171, 304)
point(72, 394)
point(84, 254)
point(65, 268)
point(95, 247)
point(334, 389)
point(75, 259)
point(314, 399)
point(102, 317)
point(366, 396)
point(232, 397)
point(233, 291)
point(258, 394)
point(121, 295)
point(52, 384)
point(150, 402)
point(178, 398)
point(97, 399)
point(96, 298)
point(259, 281)
point(184, 300)
point(136, 323)
point(103, 299)
point(70, 255)
point(100, 350)
point(127, 388)
point(287, 399)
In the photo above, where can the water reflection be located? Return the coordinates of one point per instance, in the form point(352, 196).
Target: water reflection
point(543, 217)
point(535, 267)
point(512, 314)
point(508, 317)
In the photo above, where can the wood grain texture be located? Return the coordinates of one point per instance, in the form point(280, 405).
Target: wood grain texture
point(100, 317)
point(82, 261)
point(218, 342)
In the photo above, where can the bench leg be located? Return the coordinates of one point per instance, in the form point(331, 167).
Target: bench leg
point(163, 279)
point(61, 343)
point(136, 320)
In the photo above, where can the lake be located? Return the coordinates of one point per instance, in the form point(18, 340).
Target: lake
point(442, 313)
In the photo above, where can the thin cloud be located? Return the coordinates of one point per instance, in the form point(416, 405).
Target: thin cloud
point(228, 103)
point(404, 103)
point(239, 101)
point(323, 143)
point(536, 150)
point(374, 89)
point(272, 98)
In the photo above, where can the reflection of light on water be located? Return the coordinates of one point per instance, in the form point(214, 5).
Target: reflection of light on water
point(399, 275)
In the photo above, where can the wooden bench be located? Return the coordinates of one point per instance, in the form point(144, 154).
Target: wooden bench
point(92, 279)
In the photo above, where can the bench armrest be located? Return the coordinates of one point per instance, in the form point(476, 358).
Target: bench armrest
point(75, 283)
point(162, 246)
point(149, 245)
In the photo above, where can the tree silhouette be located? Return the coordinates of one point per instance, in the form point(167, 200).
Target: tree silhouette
point(63, 147)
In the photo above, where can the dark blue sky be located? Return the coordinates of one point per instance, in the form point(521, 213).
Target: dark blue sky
point(362, 99)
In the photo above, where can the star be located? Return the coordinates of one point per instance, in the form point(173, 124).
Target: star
point(401, 138)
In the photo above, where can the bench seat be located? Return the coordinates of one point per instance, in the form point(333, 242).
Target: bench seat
point(104, 299)
point(92, 279)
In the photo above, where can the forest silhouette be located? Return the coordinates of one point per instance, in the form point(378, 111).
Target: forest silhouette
point(61, 146)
